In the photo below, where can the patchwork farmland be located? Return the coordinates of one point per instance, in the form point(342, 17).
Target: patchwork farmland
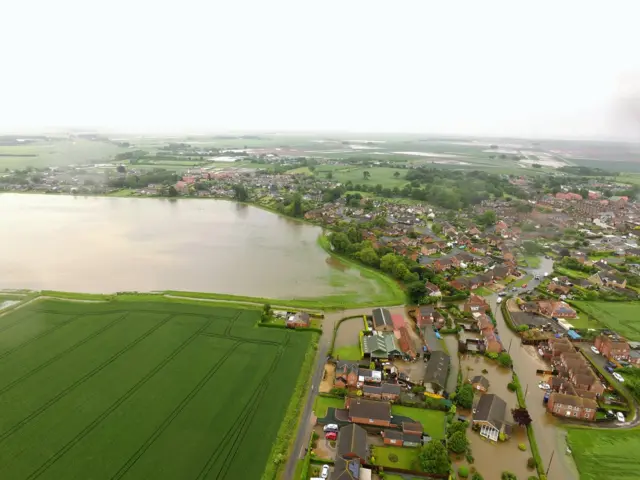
point(126, 390)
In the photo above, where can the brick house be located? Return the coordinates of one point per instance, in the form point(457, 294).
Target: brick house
point(300, 319)
point(346, 375)
point(368, 412)
point(613, 347)
point(442, 264)
point(404, 342)
point(401, 439)
point(425, 315)
point(476, 304)
point(558, 289)
point(552, 308)
point(387, 391)
point(572, 406)
point(352, 442)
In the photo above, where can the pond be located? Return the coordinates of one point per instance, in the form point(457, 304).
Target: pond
point(103, 244)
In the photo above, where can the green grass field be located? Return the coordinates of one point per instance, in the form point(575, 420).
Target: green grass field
point(622, 317)
point(522, 281)
point(606, 453)
point(432, 420)
point(142, 390)
point(56, 152)
point(407, 457)
point(348, 352)
point(382, 175)
point(533, 261)
point(322, 404)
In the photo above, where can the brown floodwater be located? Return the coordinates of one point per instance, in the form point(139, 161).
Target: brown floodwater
point(102, 244)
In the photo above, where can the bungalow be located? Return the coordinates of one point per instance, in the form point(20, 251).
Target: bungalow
point(435, 376)
point(480, 383)
point(613, 347)
point(572, 406)
point(461, 283)
point(429, 249)
point(501, 272)
point(552, 308)
point(369, 412)
point(558, 289)
point(488, 416)
point(473, 231)
point(352, 442)
point(351, 469)
point(300, 319)
point(401, 439)
point(387, 391)
point(476, 303)
point(442, 264)
point(382, 321)
point(432, 290)
point(608, 279)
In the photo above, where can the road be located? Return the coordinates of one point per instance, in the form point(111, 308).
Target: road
point(306, 426)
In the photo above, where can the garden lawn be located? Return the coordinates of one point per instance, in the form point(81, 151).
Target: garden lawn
point(522, 281)
point(622, 317)
point(153, 389)
point(348, 352)
point(483, 291)
point(533, 261)
point(605, 453)
point(407, 457)
point(322, 404)
point(432, 420)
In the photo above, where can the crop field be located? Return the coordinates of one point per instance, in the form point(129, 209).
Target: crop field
point(622, 317)
point(141, 390)
point(55, 153)
point(606, 453)
point(378, 175)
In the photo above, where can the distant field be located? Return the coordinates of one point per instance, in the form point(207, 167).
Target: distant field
point(56, 153)
point(622, 317)
point(141, 390)
point(381, 175)
point(605, 453)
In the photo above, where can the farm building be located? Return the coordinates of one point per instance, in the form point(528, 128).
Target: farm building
point(381, 346)
point(382, 321)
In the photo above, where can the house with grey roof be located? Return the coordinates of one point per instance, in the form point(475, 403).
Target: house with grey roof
point(435, 376)
point(382, 321)
point(489, 416)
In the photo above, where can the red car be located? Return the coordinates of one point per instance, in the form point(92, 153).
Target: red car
point(331, 436)
point(524, 286)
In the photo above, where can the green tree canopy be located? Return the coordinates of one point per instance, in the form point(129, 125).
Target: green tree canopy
point(434, 458)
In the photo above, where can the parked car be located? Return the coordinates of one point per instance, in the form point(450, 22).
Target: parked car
point(608, 368)
point(595, 350)
point(331, 435)
point(618, 377)
point(325, 471)
point(502, 294)
point(610, 414)
point(524, 286)
point(620, 417)
point(499, 300)
point(331, 427)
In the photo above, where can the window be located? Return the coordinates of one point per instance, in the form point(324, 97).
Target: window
point(392, 441)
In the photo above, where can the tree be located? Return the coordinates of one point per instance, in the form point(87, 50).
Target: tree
point(339, 241)
point(521, 416)
point(329, 175)
point(504, 359)
point(366, 175)
point(266, 313)
point(488, 218)
point(368, 256)
point(458, 442)
point(240, 193)
point(121, 169)
point(456, 427)
point(396, 174)
point(508, 476)
point(434, 458)
point(477, 476)
point(172, 192)
point(416, 290)
point(464, 396)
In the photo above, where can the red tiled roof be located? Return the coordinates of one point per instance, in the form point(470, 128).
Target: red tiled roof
point(398, 321)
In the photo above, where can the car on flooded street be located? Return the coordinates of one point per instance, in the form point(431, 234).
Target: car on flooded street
point(620, 417)
point(618, 377)
point(595, 350)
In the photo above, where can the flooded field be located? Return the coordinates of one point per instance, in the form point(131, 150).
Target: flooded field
point(101, 244)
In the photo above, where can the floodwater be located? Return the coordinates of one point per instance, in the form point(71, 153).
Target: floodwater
point(102, 244)
point(545, 426)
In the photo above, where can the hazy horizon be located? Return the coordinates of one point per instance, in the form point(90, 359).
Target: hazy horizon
point(495, 69)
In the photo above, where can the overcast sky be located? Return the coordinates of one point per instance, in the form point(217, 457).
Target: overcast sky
point(544, 68)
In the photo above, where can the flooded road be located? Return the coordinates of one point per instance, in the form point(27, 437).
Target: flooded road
point(549, 438)
point(102, 244)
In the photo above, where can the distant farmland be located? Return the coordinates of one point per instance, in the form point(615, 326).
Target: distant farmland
point(141, 390)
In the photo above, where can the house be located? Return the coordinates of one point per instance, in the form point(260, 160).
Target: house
point(405, 343)
point(476, 303)
point(435, 376)
point(491, 342)
point(387, 391)
point(612, 347)
point(381, 346)
point(480, 383)
point(489, 416)
point(346, 375)
point(572, 406)
point(558, 309)
point(369, 412)
point(425, 315)
point(382, 321)
point(558, 289)
point(300, 319)
point(401, 439)
point(432, 290)
point(414, 428)
point(442, 264)
point(366, 375)
point(608, 279)
point(501, 272)
point(350, 469)
point(352, 442)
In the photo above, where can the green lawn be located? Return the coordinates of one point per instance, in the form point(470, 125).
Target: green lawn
point(522, 281)
point(348, 352)
point(323, 403)
point(407, 457)
point(622, 317)
point(152, 389)
point(605, 453)
point(432, 420)
point(483, 291)
point(575, 274)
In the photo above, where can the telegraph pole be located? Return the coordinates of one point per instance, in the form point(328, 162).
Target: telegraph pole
point(550, 460)
point(509, 349)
